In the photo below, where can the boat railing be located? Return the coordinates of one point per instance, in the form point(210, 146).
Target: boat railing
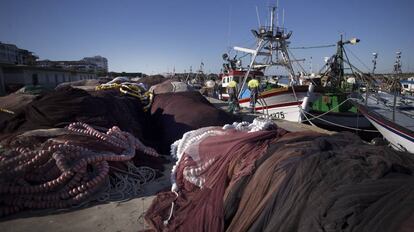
point(268, 31)
point(392, 103)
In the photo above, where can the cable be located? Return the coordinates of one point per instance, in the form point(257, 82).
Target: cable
point(353, 54)
point(6, 111)
point(311, 47)
point(335, 124)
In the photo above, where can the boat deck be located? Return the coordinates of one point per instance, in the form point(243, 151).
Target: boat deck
point(404, 115)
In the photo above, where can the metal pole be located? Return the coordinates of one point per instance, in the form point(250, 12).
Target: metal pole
point(272, 15)
point(259, 46)
point(374, 61)
point(395, 105)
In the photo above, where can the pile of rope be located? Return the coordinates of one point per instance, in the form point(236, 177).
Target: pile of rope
point(130, 89)
point(62, 172)
point(126, 184)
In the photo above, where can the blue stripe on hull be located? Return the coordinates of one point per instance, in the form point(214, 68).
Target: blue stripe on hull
point(393, 130)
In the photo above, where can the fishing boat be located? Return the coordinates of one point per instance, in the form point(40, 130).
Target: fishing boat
point(333, 109)
point(280, 102)
point(305, 98)
point(390, 112)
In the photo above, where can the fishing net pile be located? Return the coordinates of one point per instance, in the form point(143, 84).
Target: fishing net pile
point(149, 81)
point(173, 114)
point(48, 161)
point(170, 86)
point(60, 108)
point(257, 177)
point(82, 84)
point(61, 168)
point(12, 103)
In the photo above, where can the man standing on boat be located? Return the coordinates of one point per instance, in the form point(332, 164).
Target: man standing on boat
point(233, 102)
point(253, 85)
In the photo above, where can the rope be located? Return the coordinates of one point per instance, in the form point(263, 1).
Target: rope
point(307, 119)
point(332, 108)
point(311, 47)
point(332, 123)
point(298, 63)
point(353, 54)
point(123, 185)
point(339, 125)
point(171, 211)
point(303, 69)
point(294, 93)
point(6, 111)
point(131, 90)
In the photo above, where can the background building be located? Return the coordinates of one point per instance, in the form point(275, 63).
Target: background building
point(100, 62)
point(96, 64)
point(13, 77)
point(11, 54)
point(19, 67)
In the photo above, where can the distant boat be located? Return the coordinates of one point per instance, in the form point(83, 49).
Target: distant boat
point(408, 86)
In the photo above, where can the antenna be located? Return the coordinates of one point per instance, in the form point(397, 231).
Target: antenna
point(258, 17)
point(277, 13)
point(283, 17)
point(272, 15)
point(311, 66)
point(397, 65)
point(229, 26)
point(374, 61)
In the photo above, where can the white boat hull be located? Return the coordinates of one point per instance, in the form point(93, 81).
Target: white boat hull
point(398, 132)
point(280, 105)
point(393, 136)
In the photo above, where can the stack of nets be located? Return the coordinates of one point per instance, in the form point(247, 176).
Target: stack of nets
point(239, 179)
point(61, 168)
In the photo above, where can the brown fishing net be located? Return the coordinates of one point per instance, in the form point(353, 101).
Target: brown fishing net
point(173, 114)
point(67, 105)
point(302, 181)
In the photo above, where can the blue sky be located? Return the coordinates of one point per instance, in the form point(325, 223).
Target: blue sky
point(155, 36)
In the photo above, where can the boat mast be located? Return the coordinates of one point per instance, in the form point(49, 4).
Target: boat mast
point(374, 61)
point(340, 54)
point(271, 41)
point(337, 66)
point(394, 86)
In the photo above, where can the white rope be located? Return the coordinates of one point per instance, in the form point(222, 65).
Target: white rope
point(171, 211)
point(317, 117)
point(335, 124)
point(307, 119)
point(258, 124)
point(124, 185)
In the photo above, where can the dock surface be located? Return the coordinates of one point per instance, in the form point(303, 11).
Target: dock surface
point(125, 216)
